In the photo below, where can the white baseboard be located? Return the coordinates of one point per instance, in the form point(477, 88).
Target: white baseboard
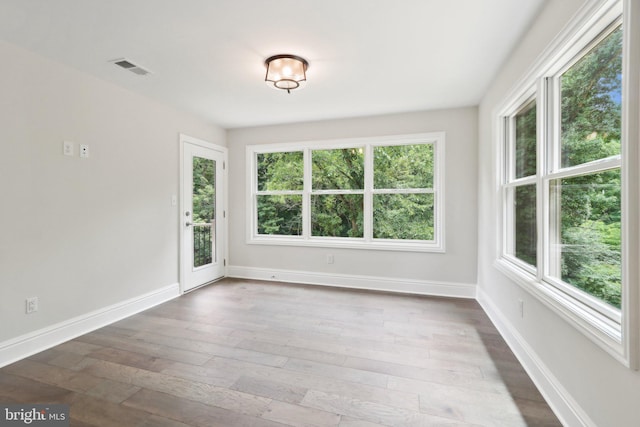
point(565, 407)
point(407, 286)
point(34, 342)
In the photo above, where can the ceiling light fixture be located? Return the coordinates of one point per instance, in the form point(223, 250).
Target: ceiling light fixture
point(286, 71)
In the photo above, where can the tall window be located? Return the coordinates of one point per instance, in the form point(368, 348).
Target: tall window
point(584, 185)
point(380, 193)
point(403, 195)
point(521, 185)
point(337, 192)
point(562, 183)
point(279, 197)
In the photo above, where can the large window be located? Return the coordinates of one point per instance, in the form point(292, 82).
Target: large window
point(379, 193)
point(562, 182)
point(584, 181)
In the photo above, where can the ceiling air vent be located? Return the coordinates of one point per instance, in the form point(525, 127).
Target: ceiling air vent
point(130, 66)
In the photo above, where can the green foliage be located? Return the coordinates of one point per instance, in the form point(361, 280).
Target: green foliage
point(590, 207)
point(525, 196)
point(204, 208)
point(337, 215)
point(403, 166)
point(280, 215)
point(280, 171)
point(591, 237)
point(403, 216)
point(591, 259)
point(526, 224)
point(340, 169)
point(591, 93)
point(341, 212)
point(525, 149)
point(204, 190)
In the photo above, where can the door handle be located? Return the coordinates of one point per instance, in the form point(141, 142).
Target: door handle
point(188, 224)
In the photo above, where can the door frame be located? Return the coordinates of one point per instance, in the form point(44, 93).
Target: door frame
point(182, 258)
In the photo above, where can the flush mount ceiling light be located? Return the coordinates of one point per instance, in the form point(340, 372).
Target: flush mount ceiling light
point(286, 71)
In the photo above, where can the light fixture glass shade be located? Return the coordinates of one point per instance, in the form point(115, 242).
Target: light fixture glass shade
point(286, 71)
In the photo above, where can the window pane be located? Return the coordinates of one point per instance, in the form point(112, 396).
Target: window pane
point(587, 218)
point(403, 216)
point(280, 171)
point(403, 166)
point(591, 104)
point(340, 169)
point(525, 150)
point(526, 237)
point(204, 210)
point(337, 215)
point(204, 189)
point(280, 215)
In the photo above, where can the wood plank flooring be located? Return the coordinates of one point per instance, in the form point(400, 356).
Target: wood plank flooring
point(248, 353)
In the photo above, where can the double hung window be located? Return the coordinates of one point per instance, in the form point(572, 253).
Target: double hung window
point(378, 193)
point(562, 183)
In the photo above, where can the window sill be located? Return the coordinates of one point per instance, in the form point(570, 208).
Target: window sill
point(601, 330)
point(344, 243)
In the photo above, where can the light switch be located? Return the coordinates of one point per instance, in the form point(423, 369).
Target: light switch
point(67, 148)
point(174, 200)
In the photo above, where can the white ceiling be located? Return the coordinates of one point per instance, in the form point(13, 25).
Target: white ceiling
point(366, 57)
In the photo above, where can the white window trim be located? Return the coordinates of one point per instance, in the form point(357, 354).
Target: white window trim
point(619, 337)
point(509, 181)
point(367, 242)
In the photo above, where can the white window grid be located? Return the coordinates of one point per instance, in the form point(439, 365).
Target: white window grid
point(436, 139)
point(615, 331)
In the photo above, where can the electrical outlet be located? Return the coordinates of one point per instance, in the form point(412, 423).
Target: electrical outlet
point(330, 259)
point(84, 151)
point(32, 305)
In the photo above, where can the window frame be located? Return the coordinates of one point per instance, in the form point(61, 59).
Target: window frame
point(614, 331)
point(334, 191)
point(436, 139)
point(510, 182)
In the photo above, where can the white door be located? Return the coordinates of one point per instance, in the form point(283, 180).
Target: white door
point(202, 218)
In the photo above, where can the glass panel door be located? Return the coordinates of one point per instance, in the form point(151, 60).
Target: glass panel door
point(204, 211)
point(202, 243)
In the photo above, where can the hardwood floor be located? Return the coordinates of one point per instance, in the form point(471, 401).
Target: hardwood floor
point(247, 353)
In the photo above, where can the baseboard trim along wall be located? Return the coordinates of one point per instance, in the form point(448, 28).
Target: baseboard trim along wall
point(385, 284)
point(29, 344)
point(565, 407)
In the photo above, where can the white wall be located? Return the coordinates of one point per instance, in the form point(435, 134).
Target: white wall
point(575, 374)
point(456, 266)
point(83, 234)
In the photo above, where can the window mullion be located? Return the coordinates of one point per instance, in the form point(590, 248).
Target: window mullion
point(528, 180)
point(368, 193)
point(306, 194)
point(510, 130)
point(552, 135)
point(554, 125)
point(587, 168)
point(545, 137)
